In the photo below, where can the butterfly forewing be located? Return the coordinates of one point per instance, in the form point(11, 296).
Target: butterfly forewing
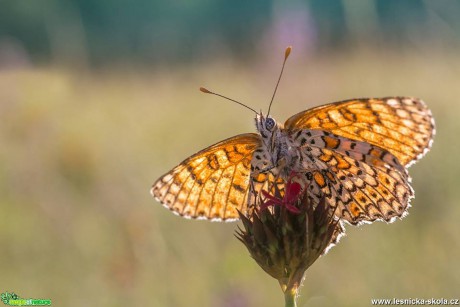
point(403, 126)
point(211, 184)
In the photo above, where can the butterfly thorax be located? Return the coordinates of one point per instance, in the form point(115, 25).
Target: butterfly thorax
point(275, 154)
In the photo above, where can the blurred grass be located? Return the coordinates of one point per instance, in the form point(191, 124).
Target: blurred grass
point(79, 151)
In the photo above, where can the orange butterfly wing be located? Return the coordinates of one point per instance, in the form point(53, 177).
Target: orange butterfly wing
point(404, 126)
point(211, 184)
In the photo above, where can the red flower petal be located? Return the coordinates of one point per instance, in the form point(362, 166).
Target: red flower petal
point(293, 191)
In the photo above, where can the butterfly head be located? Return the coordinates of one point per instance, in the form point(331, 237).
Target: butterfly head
point(265, 124)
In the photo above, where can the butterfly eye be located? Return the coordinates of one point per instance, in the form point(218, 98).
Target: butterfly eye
point(269, 123)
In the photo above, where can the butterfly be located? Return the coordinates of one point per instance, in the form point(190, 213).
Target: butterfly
point(355, 153)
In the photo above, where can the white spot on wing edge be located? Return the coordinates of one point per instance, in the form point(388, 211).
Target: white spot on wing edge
point(392, 102)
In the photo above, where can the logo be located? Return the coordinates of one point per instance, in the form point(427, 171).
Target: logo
point(12, 299)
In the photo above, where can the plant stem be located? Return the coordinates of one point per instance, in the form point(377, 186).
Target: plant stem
point(289, 297)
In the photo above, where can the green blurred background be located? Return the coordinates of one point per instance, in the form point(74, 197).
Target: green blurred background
point(100, 98)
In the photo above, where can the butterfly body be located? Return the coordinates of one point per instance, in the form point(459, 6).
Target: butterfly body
point(353, 152)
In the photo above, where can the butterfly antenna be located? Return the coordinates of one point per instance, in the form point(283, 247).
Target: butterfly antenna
point(204, 90)
point(286, 55)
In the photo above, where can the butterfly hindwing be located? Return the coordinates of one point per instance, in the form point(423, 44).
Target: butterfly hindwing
point(363, 189)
